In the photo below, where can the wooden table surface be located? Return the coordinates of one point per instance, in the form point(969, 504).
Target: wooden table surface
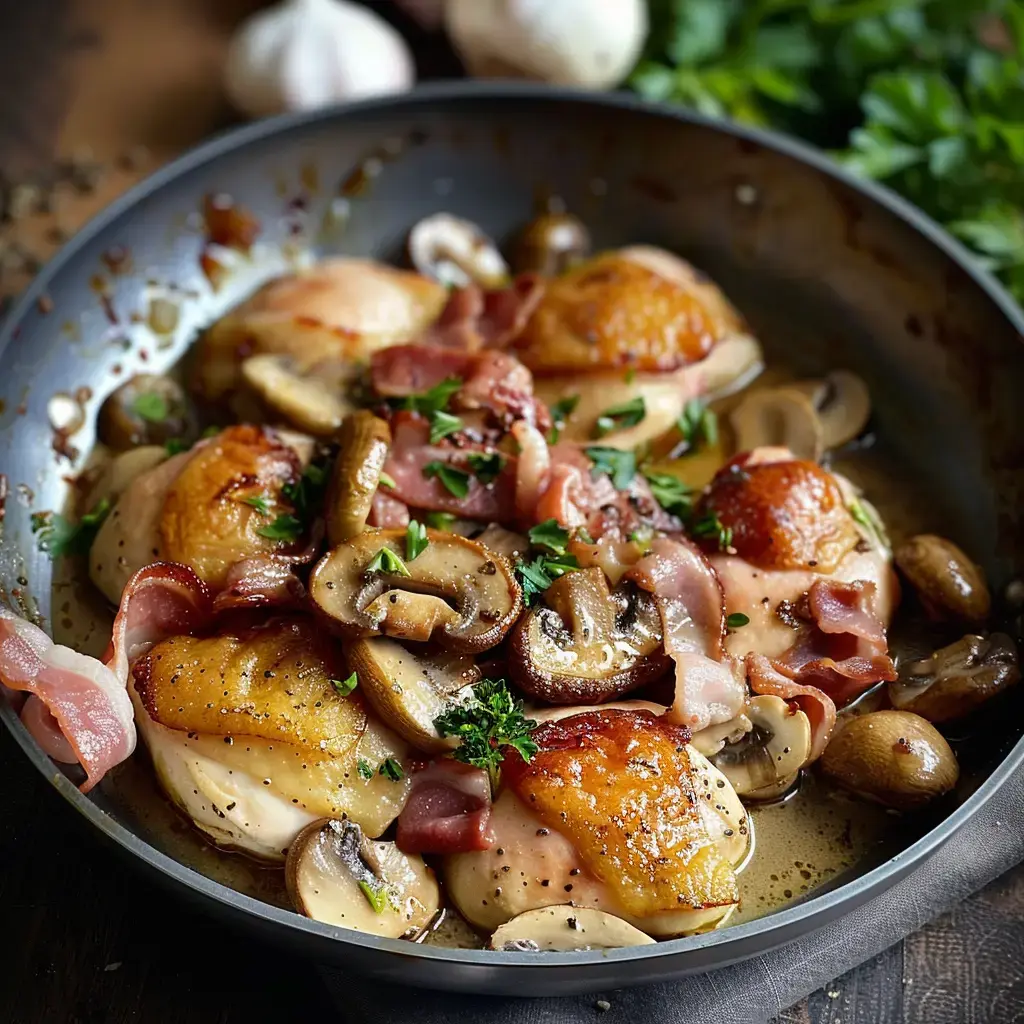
point(89, 941)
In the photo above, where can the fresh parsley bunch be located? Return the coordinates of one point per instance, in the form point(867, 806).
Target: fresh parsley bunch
point(925, 95)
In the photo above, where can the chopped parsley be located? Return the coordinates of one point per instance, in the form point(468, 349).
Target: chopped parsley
point(440, 520)
point(427, 403)
point(455, 481)
point(642, 537)
point(736, 620)
point(415, 540)
point(549, 535)
point(560, 413)
point(442, 424)
point(671, 493)
point(151, 407)
point(209, 432)
point(377, 896)
point(386, 480)
point(285, 527)
point(58, 537)
point(709, 525)
point(619, 465)
point(698, 424)
point(387, 562)
point(618, 417)
point(260, 503)
point(176, 445)
point(365, 769)
point(487, 723)
point(486, 466)
point(535, 577)
point(345, 686)
point(392, 769)
point(307, 493)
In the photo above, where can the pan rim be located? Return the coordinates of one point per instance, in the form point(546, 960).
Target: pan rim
point(778, 924)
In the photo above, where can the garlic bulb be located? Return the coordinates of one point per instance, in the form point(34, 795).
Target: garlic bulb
point(302, 54)
point(591, 43)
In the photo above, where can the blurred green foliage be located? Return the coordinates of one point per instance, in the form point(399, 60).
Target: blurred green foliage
point(925, 95)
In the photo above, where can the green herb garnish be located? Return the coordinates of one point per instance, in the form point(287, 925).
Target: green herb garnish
point(671, 493)
point(486, 466)
point(392, 769)
point(386, 480)
point(535, 577)
point(376, 896)
point(442, 424)
point(260, 503)
point(709, 525)
point(619, 465)
point(698, 424)
point(415, 540)
point(209, 432)
point(429, 402)
point(365, 769)
point(490, 720)
point(560, 413)
point(549, 535)
point(440, 520)
point(345, 686)
point(306, 494)
point(58, 537)
point(176, 445)
point(455, 481)
point(387, 563)
point(284, 527)
point(151, 407)
point(736, 620)
point(619, 417)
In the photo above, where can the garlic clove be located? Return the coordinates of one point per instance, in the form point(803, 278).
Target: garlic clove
point(303, 54)
point(568, 42)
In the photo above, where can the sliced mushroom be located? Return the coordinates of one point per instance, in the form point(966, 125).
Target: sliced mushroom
point(117, 475)
point(730, 366)
point(587, 644)
point(778, 417)
point(710, 740)
point(564, 929)
point(335, 875)
point(843, 404)
point(765, 762)
point(551, 244)
point(958, 678)
point(363, 449)
point(948, 583)
point(147, 410)
point(456, 253)
point(456, 591)
point(310, 398)
point(893, 757)
point(410, 689)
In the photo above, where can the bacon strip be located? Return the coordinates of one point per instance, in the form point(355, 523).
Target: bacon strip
point(448, 810)
point(87, 697)
point(475, 319)
point(709, 689)
point(766, 678)
point(256, 582)
point(842, 650)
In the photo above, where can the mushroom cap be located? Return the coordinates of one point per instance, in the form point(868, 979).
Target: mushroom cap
point(363, 445)
point(843, 405)
point(456, 253)
point(147, 409)
point(306, 396)
point(456, 591)
point(948, 583)
point(778, 417)
point(893, 757)
point(552, 243)
point(587, 644)
point(336, 876)
point(563, 929)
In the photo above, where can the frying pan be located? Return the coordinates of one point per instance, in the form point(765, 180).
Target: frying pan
point(829, 270)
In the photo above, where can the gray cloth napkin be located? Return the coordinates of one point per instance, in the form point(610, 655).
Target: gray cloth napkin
point(757, 989)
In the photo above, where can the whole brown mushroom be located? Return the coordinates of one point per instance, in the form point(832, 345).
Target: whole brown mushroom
point(147, 409)
point(948, 583)
point(892, 757)
point(551, 244)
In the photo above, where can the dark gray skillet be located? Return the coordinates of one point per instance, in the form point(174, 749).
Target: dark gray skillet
point(830, 271)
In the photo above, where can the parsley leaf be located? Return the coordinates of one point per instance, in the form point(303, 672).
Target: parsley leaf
point(415, 540)
point(560, 413)
point(260, 503)
point(377, 896)
point(307, 493)
point(176, 445)
point(488, 721)
point(619, 417)
point(455, 481)
point(345, 686)
point(440, 520)
point(535, 577)
point(698, 424)
point(486, 466)
point(736, 620)
point(549, 535)
point(58, 537)
point(442, 424)
point(386, 480)
point(365, 769)
point(392, 769)
point(619, 465)
point(387, 562)
point(709, 525)
point(433, 401)
point(671, 493)
point(151, 407)
point(284, 527)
